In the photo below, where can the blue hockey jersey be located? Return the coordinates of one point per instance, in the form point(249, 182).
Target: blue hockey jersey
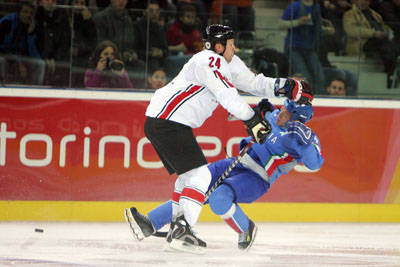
point(281, 152)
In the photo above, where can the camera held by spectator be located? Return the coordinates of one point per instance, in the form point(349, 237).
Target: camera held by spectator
point(113, 64)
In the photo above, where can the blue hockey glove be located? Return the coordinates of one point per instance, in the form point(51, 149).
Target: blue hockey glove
point(257, 127)
point(300, 132)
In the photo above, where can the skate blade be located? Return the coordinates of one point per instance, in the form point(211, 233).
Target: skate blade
point(168, 248)
point(136, 231)
point(179, 245)
point(252, 238)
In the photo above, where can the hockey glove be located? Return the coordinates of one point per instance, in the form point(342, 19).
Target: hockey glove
point(292, 89)
point(265, 106)
point(257, 127)
point(300, 132)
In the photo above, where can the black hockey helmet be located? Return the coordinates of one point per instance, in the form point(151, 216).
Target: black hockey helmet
point(217, 33)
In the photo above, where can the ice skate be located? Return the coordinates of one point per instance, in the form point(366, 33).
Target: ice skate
point(246, 238)
point(140, 224)
point(182, 238)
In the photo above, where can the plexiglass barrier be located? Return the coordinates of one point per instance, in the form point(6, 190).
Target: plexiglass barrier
point(78, 46)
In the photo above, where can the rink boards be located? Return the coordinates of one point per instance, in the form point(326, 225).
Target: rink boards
point(75, 155)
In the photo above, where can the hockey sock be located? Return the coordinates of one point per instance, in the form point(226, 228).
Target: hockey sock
point(192, 197)
point(161, 215)
point(176, 195)
point(221, 203)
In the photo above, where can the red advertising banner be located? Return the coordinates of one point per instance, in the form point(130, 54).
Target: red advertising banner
point(84, 149)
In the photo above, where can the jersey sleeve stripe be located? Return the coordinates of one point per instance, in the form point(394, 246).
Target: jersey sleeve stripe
point(178, 100)
point(223, 79)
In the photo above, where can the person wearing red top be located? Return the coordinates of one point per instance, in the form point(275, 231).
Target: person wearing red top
point(183, 35)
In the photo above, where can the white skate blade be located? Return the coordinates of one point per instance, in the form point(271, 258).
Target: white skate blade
point(180, 245)
point(168, 248)
point(136, 231)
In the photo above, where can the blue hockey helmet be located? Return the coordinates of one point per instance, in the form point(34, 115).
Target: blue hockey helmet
point(300, 111)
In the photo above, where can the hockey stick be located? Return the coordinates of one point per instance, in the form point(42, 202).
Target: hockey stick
point(220, 179)
point(228, 170)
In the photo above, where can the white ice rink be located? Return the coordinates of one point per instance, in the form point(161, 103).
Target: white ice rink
point(277, 244)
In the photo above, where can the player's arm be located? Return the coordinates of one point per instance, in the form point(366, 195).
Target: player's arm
point(303, 145)
point(245, 80)
point(228, 96)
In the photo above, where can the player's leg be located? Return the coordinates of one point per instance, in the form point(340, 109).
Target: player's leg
point(143, 226)
point(177, 147)
point(195, 183)
point(242, 187)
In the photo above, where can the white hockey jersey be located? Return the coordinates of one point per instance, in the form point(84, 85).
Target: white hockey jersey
point(204, 82)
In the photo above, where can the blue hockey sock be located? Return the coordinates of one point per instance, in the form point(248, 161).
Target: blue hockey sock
point(221, 203)
point(161, 215)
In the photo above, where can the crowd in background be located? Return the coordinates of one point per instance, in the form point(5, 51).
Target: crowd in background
point(142, 44)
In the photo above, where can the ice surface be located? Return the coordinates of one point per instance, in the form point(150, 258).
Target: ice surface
point(277, 244)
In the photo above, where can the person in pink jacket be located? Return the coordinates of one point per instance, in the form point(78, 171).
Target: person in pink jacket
point(106, 70)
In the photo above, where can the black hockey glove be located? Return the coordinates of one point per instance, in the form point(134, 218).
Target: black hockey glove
point(292, 89)
point(257, 127)
point(265, 106)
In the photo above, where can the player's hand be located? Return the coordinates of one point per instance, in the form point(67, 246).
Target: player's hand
point(292, 89)
point(265, 106)
point(258, 128)
point(300, 132)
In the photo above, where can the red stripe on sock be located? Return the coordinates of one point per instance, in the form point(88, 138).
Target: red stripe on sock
point(193, 194)
point(232, 224)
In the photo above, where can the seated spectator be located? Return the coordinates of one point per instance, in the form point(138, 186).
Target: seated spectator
point(240, 15)
point(54, 42)
point(336, 87)
point(152, 39)
point(349, 77)
point(390, 12)
point(271, 63)
point(106, 69)
point(369, 35)
point(84, 39)
point(115, 24)
point(333, 11)
point(202, 10)
point(20, 60)
point(303, 21)
point(183, 35)
point(157, 79)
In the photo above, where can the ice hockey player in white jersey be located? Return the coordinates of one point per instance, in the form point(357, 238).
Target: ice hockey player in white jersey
point(211, 77)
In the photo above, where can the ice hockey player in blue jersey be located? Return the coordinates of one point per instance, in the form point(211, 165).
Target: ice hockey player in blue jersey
point(290, 142)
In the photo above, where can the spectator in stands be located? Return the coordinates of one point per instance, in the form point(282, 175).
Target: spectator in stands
point(115, 24)
point(157, 79)
point(239, 14)
point(183, 35)
point(336, 87)
point(106, 69)
point(369, 35)
point(20, 60)
point(54, 42)
point(152, 39)
point(303, 21)
point(84, 39)
point(333, 11)
point(390, 12)
point(202, 10)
